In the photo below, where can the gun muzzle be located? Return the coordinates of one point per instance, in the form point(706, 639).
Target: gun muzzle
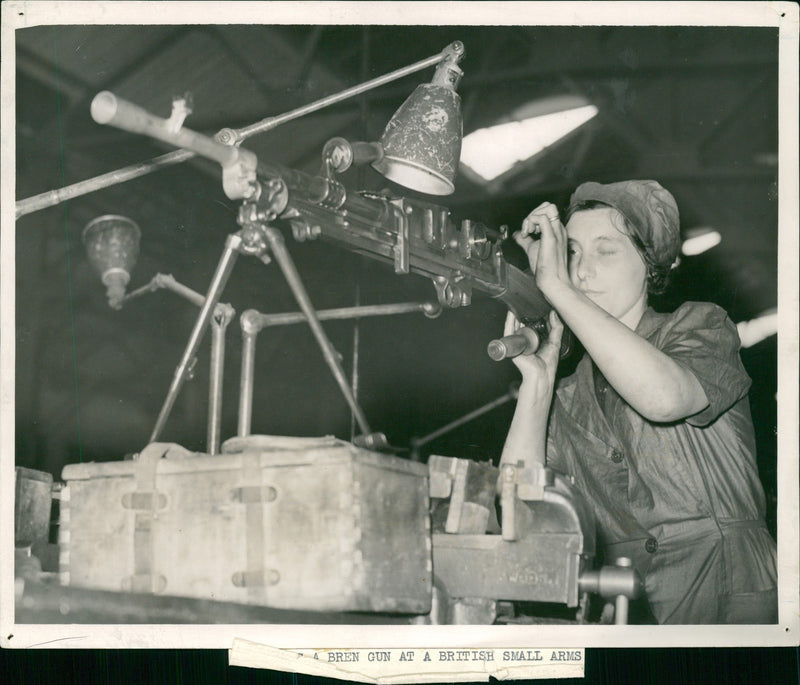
point(110, 110)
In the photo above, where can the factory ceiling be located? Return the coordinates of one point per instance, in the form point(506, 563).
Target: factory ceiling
point(694, 107)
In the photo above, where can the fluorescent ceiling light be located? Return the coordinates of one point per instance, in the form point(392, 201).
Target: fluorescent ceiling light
point(490, 152)
point(758, 329)
point(698, 240)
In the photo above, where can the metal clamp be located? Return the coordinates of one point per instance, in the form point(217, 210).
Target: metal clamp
point(516, 486)
point(455, 291)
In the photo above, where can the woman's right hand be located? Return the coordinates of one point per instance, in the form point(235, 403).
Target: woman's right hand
point(538, 369)
point(528, 237)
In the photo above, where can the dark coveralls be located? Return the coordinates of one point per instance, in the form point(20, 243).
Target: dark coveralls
point(682, 500)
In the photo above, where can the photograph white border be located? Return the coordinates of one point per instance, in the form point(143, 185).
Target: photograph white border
point(784, 15)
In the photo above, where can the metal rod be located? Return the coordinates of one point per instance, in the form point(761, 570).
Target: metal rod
point(272, 122)
point(112, 178)
point(219, 324)
point(54, 197)
point(168, 282)
point(284, 259)
point(218, 282)
point(621, 610)
point(288, 318)
point(252, 322)
point(354, 380)
point(246, 383)
point(222, 316)
point(510, 395)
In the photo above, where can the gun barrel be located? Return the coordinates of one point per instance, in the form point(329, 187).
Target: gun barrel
point(112, 110)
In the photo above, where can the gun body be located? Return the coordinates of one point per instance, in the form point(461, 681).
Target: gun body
point(422, 238)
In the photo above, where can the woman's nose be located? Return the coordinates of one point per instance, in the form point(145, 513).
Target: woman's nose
point(581, 267)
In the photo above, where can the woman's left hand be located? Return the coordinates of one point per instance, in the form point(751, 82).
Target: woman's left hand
point(539, 368)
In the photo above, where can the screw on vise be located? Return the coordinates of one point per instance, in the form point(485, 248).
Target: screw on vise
point(619, 582)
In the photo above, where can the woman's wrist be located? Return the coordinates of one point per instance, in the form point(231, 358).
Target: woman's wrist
point(556, 289)
point(535, 394)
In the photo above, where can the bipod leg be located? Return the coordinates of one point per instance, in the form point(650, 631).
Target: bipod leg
point(281, 254)
point(218, 282)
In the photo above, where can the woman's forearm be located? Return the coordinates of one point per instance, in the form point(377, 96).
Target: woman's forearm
point(650, 381)
point(527, 434)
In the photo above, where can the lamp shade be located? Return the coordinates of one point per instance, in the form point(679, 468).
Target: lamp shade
point(422, 141)
point(112, 245)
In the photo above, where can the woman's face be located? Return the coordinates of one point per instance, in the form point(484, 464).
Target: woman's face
point(605, 265)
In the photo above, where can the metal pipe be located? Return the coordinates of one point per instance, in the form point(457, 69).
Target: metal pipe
point(168, 282)
point(510, 395)
point(621, 610)
point(252, 322)
point(218, 282)
point(112, 178)
point(430, 309)
point(222, 316)
point(284, 259)
point(219, 324)
point(232, 137)
point(248, 365)
point(354, 379)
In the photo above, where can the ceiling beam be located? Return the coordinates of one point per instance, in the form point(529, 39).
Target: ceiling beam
point(82, 105)
point(306, 56)
point(737, 109)
point(37, 69)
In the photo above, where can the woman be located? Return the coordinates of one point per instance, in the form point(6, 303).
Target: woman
point(654, 425)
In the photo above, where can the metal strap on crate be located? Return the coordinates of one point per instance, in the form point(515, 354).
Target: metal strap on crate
point(146, 501)
point(255, 577)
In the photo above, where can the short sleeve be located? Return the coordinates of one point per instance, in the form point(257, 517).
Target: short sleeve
point(701, 337)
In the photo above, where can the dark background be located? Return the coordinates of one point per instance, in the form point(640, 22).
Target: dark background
point(693, 107)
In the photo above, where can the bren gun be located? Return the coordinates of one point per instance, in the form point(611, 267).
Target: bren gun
point(414, 235)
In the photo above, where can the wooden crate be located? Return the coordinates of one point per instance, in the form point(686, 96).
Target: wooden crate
point(308, 524)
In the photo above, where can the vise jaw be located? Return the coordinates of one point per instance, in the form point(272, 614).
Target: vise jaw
point(546, 540)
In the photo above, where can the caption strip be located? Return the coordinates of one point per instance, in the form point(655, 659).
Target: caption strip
point(413, 665)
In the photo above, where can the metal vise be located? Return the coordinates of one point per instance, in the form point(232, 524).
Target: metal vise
point(541, 550)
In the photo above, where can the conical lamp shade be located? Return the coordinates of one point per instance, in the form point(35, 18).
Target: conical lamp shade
point(112, 245)
point(422, 141)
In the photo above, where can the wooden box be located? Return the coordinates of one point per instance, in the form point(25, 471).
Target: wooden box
point(294, 523)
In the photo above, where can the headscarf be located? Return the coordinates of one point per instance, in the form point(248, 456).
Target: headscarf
point(649, 208)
